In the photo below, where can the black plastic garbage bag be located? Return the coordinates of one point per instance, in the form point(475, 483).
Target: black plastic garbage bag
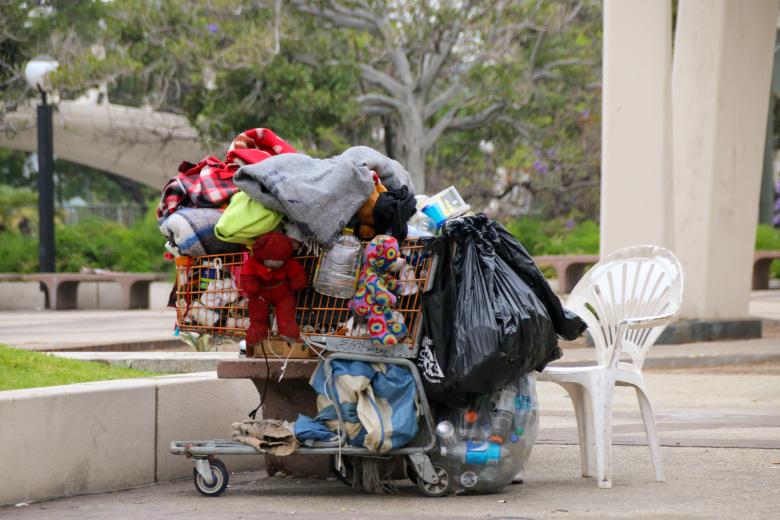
point(490, 315)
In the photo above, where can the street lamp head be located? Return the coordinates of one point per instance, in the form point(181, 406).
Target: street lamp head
point(37, 69)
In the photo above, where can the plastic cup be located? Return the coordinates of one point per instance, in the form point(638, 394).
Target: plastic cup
point(436, 214)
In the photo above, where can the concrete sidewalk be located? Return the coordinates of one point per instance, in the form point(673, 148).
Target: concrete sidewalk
point(765, 304)
point(721, 438)
point(43, 330)
point(709, 353)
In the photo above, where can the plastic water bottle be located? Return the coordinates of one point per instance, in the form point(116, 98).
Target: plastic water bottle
point(446, 433)
point(523, 408)
point(500, 425)
point(421, 225)
point(470, 425)
point(501, 419)
point(338, 269)
point(478, 453)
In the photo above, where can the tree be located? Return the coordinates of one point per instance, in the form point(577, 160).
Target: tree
point(541, 154)
point(440, 77)
point(427, 54)
point(224, 65)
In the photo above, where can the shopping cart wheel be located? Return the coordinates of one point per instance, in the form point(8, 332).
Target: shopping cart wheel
point(438, 489)
point(219, 482)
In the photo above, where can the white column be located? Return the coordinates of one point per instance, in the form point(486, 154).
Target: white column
point(720, 85)
point(636, 124)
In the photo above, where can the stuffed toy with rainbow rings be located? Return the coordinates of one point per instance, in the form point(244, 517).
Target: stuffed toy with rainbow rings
point(378, 290)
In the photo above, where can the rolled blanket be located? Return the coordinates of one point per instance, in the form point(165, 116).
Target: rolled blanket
point(320, 195)
point(256, 145)
point(245, 219)
point(191, 230)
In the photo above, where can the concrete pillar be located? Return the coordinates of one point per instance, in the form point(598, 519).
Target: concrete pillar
point(720, 80)
point(636, 124)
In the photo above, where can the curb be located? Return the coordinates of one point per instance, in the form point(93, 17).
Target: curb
point(132, 346)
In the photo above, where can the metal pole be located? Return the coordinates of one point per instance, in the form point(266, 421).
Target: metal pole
point(46, 253)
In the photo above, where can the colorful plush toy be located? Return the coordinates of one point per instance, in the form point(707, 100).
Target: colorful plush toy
point(378, 291)
point(270, 277)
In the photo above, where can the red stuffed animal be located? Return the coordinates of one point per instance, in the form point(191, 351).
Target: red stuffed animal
point(270, 277)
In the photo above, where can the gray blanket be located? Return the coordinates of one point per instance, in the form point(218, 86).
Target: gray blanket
point(320, 195)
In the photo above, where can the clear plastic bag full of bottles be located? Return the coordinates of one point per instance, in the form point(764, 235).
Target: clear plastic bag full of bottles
point(484, 447)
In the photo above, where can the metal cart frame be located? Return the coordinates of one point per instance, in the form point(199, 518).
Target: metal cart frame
point(211, 476)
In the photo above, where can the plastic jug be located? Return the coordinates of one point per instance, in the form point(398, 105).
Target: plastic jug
point(338, 269)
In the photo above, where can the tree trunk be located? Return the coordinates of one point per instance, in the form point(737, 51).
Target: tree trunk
point(415, 164)
point(412, 137)
point(387, 124)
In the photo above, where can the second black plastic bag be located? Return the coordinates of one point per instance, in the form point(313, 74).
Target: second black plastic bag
point(490, 316)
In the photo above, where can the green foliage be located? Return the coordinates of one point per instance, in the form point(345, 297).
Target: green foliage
point(556, 236)
point(215, 61)
point(109, 245)
point(301, 103)
point(12, 169)
point(767, 238)
point(199, 343)
point(24, 369)
point(18, 253)
point(17, 208)
point(547, 139)
point(91, 243)
point(218, 62)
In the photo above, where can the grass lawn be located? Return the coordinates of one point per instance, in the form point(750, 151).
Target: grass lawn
point(26, 369)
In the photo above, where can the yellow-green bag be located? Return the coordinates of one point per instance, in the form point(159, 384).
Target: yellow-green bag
point(245, 219)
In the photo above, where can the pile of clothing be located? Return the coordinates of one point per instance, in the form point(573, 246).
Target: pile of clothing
point(217, 206)
point(264, 188)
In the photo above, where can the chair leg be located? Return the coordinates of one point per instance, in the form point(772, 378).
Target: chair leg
point(602, 428)
point(650, 431)
point(579, 401)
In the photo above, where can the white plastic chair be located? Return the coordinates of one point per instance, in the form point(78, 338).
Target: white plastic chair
point(626, 299)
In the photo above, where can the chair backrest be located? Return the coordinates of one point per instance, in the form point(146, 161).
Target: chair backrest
point(634, 282)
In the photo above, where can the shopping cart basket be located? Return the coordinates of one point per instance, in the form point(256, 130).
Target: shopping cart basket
point(209, 302)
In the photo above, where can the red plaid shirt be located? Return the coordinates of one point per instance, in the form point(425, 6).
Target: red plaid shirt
point(209, 184)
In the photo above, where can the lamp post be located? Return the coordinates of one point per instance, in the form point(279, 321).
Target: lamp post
point(35, 73)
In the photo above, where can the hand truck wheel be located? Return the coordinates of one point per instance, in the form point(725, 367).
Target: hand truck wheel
point(439, 489)
point(219, 479)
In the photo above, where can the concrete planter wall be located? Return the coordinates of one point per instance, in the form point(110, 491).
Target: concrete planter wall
point(110, 435)
point(28, 296)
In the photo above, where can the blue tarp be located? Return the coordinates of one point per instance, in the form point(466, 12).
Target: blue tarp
point(377, 402)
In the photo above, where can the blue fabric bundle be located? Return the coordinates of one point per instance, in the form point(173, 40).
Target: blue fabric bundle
point(377, 403)
point(191, 230)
